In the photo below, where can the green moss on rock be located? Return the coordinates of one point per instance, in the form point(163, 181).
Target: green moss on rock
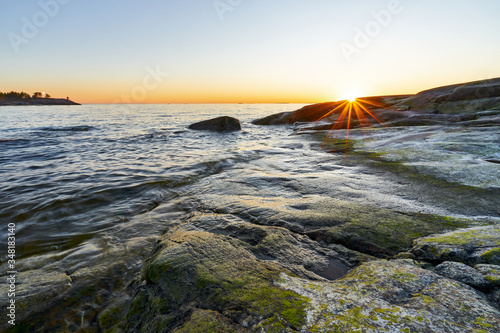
point(113, 315)
point(490, 272)
point(393, 296)
point(213, 272)
point(377, 231)
point(476, 237)
point(492, 255)
point(206, 321)
point(479, 245)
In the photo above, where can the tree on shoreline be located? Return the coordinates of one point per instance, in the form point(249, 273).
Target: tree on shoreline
point(14, 95)
point(22, 95)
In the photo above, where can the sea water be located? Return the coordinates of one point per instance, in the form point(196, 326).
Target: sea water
point(69, 173)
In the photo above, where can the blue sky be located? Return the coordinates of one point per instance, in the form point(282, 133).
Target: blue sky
point(244, 51)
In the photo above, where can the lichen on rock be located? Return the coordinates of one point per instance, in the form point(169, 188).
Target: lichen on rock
point(195, 270)
point(463, 273)
point(479, 245)
point(393, 296)
point(490, 272)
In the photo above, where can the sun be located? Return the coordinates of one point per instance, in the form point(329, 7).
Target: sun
point(353, 110)
point(350, 96)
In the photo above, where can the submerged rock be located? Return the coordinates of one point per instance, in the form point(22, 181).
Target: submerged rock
point(84, 288)
point(220, 124)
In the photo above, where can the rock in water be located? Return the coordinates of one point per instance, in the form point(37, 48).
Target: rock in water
point(309, 113)
point(220, 124)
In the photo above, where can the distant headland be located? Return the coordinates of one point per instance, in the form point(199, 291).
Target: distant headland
point(38, 98)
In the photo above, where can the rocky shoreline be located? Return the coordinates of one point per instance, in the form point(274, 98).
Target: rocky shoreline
point(37, 101)
point(471, 104)
point(300, 258)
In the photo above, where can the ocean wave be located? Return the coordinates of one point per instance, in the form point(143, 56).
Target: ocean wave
point(13, 141)
point(83, 128)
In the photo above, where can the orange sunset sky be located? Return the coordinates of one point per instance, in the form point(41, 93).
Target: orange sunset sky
point(244, 51)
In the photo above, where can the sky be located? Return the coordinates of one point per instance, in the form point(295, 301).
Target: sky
point(244, 51)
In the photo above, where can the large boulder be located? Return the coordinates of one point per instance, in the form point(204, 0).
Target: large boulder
point(308, 113)
point(220, 124)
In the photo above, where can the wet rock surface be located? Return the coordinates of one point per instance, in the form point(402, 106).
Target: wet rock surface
point(195, 270)
point(197, 267)
point(80, 289)
point(197, 279)
point(296, 252)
